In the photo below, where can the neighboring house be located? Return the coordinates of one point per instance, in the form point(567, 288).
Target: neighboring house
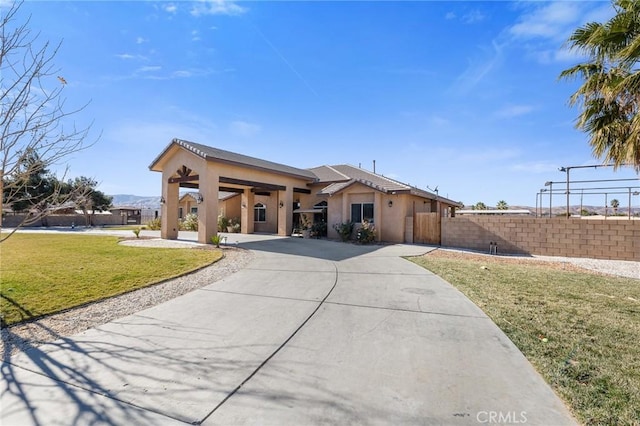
point(270, 197)
point(129, 215)
point(188, 203)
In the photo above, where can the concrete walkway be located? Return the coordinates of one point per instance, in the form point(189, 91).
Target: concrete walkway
point(312, 332)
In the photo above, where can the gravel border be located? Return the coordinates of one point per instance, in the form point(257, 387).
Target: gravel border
point(619, 268)
point(21, 337)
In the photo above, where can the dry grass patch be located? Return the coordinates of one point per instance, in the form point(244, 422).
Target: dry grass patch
point(579, 329)
point(47, 273)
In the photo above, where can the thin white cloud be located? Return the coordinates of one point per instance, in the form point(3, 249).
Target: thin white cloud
point(140, 40)
point(534, 167)
point(182, 74)
point(450, 15)
point(476, 72)
point(549, 21)
point(512, 111)
point(125, 56)
point(170, 8)
point(217, 7)
point(195, 35)
point(148, 69)
point(473, 17)
point(544, 28)
point(244, 128)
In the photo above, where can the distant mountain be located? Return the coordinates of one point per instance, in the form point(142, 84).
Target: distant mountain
point(128, 200)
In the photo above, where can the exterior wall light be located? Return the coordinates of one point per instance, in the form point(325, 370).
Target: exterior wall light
point(281, 204)
point(199, 198)
point(390, 203)
point(162, 200)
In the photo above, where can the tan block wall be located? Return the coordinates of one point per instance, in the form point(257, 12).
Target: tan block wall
point(11, 220)
point(599, 239)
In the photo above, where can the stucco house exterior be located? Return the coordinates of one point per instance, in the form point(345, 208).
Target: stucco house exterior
point(271, 197)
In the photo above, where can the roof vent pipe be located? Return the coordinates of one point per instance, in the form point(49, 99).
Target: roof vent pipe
point(374, 166)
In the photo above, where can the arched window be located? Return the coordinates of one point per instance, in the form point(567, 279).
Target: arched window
point(259, 213)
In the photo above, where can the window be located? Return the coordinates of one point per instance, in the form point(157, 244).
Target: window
point(194, 210)
point(259, 213)
point(180, 213)
point(362, 212)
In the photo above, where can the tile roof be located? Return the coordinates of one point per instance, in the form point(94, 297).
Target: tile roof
point(222, 195)
point(210, 153)
point(328, 174)
point(365, 177)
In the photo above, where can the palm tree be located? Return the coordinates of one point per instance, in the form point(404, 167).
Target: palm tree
point(614, 205)
point(609, 97)
point(480, 206)
point(502, 205)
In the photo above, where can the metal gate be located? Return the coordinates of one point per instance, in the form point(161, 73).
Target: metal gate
point(426, 228)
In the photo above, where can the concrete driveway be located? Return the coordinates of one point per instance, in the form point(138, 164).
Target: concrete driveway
point(312, 332)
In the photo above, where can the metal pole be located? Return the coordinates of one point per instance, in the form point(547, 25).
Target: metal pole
point(550, 194)
point(581, 195)
point(568, 214)
point(537, 193)
point(629, 203)
point(606, 206)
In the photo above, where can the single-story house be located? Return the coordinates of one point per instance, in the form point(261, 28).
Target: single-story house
point(272, 198)
point(130, 215)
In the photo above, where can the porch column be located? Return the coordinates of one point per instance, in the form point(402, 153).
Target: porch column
point(169, 209)
point(246, 211)
point(285, 213)
point(208, 208)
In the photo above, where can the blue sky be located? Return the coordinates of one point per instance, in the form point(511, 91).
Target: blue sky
point(459, 95)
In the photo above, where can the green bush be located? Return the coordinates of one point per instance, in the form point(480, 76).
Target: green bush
point(344, 230)
point(223, 223)
point(189, 223)
point(216, 239)
point(366, 234)
point(319, 229)
point(137, 231)
point(235, 224)
point(155, 224)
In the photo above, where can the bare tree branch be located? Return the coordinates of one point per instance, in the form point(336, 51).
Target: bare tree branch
point(32, 116)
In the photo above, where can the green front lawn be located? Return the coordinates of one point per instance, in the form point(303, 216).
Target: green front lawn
point(46, 273)
point(580, 330)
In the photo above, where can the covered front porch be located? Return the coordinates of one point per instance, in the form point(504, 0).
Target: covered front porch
point(267, 191)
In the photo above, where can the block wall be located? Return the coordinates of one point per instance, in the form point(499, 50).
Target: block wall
point(599, 239)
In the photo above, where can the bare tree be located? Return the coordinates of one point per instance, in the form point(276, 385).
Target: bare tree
point(33, 117)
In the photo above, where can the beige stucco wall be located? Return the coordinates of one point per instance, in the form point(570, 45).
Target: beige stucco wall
point(389, 221)
point(230, 208)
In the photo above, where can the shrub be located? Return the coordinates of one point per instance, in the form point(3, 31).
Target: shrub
point(216, 239)
point(235, 224)
point(366, 234)
point(223, 223)
point(319, 229)
point(189, 223)
point(344, 230)
point(137, 231)
point(155, 224)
